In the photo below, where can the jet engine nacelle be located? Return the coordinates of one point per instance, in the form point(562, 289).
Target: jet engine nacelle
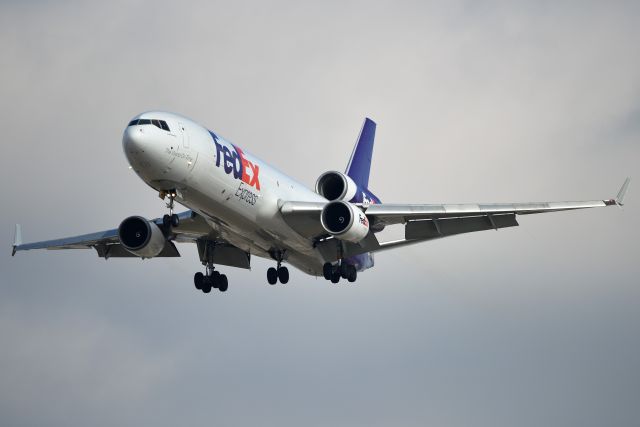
point(345, 221)
point(141, 237)
point(335, 185)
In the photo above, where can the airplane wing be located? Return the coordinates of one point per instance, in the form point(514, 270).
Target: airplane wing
point(430, 221)
point(107, 244)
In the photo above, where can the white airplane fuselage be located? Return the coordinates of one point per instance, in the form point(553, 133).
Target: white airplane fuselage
point(234, 191)
point(241, 206)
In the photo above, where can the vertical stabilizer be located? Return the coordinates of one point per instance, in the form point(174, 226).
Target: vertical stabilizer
point(360, 162)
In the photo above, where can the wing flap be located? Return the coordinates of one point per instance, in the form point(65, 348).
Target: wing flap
point(436, 228)
point(223, 254)
point(118, 251)
point(421, 231)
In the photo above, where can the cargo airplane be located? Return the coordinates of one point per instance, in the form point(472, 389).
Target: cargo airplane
point(241, 207)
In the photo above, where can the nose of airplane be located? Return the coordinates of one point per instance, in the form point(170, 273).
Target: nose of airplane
point(133, 140)
point(146, 152)
point(141, 150)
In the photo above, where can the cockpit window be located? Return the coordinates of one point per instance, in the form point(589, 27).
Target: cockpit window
point(160, 124)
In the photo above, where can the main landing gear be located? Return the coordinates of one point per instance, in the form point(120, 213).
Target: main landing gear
point(279, 273)
point(212, 279)
point(343, 270)
point(170, 220)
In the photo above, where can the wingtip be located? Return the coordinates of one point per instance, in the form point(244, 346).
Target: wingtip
point(623, 191)
point(17, 239)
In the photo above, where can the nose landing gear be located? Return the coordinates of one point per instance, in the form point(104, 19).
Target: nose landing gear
point(170, 220)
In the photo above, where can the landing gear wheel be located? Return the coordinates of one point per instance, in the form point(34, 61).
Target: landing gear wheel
point(198, 279)
point(207, 284)
point(327, 270)
point(272, 276)
point(344, 270)
point(335, 277)
point(352, 273)
point(215, 279)
point(170, 220)
point(223, 283)
point(283, 275)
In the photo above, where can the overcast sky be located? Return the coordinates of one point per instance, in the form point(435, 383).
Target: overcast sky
point(475, 101)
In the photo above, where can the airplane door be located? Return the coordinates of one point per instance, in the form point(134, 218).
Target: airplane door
point(191, 156)
point(185, 135)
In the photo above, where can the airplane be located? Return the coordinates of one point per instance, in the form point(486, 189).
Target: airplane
point(239, 207)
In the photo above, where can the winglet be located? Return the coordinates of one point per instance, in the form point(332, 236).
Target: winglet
point(17, 239)
point(622, 192)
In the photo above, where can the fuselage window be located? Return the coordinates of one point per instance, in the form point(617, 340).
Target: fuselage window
point(160, 124)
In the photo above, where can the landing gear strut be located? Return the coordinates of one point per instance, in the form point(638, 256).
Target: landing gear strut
point(170, 220)
point(279, 273)
point(211, 278)
point(342, 269)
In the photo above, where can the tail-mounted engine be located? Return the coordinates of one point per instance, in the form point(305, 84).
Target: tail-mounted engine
point(334, 185)
point(345, 221)
point(338, 186)
point(141, 237)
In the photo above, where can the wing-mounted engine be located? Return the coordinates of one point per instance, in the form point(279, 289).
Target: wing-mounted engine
point(141, 237)
point(345, 221)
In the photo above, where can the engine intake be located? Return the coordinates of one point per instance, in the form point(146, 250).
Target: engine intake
point(334, 185)
point(345, 221)
point(141, 237)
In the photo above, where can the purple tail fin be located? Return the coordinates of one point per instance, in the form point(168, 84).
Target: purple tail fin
point(360, 162)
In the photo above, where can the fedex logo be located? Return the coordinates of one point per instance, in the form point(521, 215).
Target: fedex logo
point(234, 162)
point(363, 220)
point(365, 197)
point(366, 201)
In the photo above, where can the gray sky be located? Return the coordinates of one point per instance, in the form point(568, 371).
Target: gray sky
point(475, 101)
